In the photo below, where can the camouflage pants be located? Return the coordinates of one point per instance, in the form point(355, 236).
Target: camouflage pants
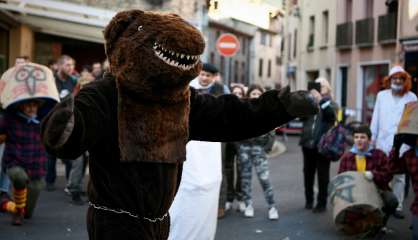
point(249, 156)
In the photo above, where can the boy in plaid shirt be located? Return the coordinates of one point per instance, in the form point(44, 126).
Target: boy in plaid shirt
point(362, 157)
point(373, 162)
point(24, 158)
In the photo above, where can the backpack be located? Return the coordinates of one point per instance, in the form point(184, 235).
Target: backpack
point(333, 143)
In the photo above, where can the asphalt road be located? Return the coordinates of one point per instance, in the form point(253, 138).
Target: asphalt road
point(55, 218)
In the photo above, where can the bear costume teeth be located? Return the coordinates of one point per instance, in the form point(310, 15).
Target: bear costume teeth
point(175, 59)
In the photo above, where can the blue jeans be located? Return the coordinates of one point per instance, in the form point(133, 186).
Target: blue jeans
point(51, 169)
point(4, 179)
point(75, 180)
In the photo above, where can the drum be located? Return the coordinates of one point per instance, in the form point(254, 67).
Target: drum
point(27, 82)
point(356, 203)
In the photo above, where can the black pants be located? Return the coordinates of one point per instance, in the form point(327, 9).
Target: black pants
point(313, 162)
point(233, 173)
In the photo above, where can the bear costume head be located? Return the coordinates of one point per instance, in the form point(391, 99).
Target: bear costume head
point(151, 52)
point(153, 57)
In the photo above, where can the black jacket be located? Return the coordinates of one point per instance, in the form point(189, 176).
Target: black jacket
point(316, 126)
point(148, 189)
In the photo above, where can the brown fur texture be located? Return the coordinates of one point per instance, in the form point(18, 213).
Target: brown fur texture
point(153, 106)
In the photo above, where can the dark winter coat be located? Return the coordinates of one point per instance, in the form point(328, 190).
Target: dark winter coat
point(317, 125)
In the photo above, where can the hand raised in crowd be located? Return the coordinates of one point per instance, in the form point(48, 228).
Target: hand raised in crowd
point(317, 96)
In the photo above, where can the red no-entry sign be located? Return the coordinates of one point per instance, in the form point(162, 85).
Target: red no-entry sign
point(227, 45)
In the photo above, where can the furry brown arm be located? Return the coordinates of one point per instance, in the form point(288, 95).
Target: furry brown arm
point(71, 128)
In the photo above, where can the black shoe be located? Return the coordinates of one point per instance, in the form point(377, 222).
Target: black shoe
point(319, 209)
point(309, 206)
point(399, 214)
point(76, 199)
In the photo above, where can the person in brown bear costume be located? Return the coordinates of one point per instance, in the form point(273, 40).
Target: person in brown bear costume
point(136, 122)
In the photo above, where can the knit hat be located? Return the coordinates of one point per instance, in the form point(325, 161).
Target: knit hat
point(207, 67)
point(396, 69)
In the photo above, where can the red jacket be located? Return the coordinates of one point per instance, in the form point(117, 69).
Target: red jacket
point(376, 163)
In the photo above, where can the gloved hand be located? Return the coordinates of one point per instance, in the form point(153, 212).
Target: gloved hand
point(58, 125)
point(368, 175)
point(298, 103)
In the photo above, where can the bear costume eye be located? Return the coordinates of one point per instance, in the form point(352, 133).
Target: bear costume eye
point(139, 28)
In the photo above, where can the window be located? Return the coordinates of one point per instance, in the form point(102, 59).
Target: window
point(263, 37)
point(392, 6)
point(278, 60)
point(369, 9)
point(222, 68)
point(270, 40)
point(260, 67)
point(215, 5)
point(244, 45)
point(269, 68)
point(236, 70)
point(281, 46)
point(325, 27)
point(243, 72)
point(212, 58)
point(295, 43)
point(348, 10)
point(328, 74)
point(311, 39)
point(289, 46)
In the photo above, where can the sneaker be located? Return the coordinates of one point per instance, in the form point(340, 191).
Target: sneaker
point(309, 205)
point(273, 214)
point(221, 213)
point(76, 199)
point(249, 211)
point(228, 206)
point(241, 206)
point(67, 191)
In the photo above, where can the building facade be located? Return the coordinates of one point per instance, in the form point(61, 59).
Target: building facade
point(233, 69)
point(317, 51)
point(259, 33)
point(408, 37)
point(291, 45)
point(43, 30)
point(366, 43)
point(266, 56)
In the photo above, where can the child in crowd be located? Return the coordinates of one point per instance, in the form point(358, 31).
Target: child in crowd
point(372, 162)
point(24, 158)
point(362, 157)
point(232, 165)
point(254, 152)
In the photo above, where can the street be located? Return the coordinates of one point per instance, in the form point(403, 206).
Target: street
point(55, 218)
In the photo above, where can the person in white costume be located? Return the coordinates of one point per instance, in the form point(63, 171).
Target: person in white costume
point(387, 113)
point(194, 211)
